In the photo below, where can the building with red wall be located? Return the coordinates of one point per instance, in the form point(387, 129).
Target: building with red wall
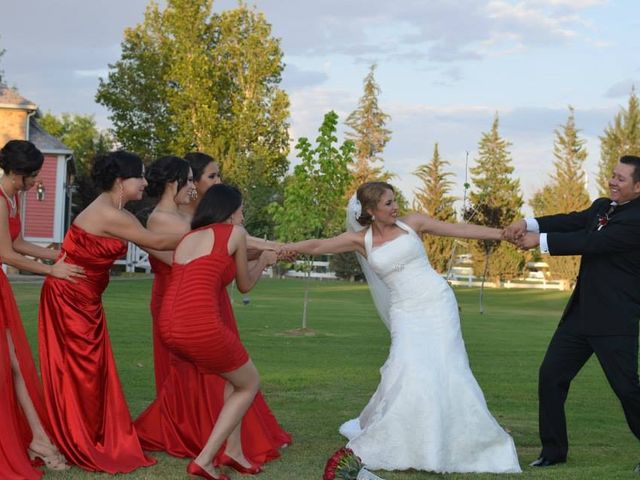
point(46, 207)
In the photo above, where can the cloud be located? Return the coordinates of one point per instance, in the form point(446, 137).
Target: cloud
point(438, 31)
point(622, 88)
point(294, 77)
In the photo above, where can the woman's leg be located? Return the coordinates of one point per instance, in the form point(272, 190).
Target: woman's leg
point(245, 382)
point(233, 448)
point(41, 444)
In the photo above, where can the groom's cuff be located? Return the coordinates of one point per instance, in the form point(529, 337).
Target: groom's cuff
point(532, 225)
point(544, 246)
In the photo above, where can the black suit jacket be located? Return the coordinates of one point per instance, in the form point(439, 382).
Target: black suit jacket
point(606, 299)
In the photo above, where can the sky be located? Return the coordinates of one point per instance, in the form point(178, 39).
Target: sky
point(445, 69)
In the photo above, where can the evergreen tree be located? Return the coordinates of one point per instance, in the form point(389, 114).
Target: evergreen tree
point(369, 134)
point(433, 198)
point(620, 138)
point(567, 191)
point(496, 202)
point(2, 52)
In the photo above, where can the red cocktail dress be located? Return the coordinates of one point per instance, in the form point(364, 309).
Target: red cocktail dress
point(180, 420)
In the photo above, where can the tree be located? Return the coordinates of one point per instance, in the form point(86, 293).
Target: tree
point(316, 190)
point(82, 136)
point(369, 134)
point(190, 79)
point(432, 197)
point(137, 88)
point(346, 266)
point(620, 138)
point(495, 202)
point(567, 190)
point(2, 52)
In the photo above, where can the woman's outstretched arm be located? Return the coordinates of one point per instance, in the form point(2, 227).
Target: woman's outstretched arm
point(346, 242)
point(424, 224)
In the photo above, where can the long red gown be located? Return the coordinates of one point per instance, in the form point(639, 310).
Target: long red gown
point(16, 434)
point(89, 416)
point(161, 354)
point(180, 420)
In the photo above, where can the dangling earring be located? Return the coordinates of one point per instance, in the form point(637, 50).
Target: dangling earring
point(373, 218)
point(120, 197)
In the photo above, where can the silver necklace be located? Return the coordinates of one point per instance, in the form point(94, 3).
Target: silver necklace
point(12, 201)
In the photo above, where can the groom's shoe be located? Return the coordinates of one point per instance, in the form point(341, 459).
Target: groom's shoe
point(545, 462)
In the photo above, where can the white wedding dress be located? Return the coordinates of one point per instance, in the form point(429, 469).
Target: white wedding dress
point(428, 412)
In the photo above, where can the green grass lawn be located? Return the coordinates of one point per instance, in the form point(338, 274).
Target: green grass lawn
point(314, 383)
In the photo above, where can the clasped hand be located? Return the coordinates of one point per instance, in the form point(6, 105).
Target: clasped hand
point(517, 234)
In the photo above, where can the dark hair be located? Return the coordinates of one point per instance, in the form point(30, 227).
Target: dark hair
point(198, 162)
point(166, 170)
point(21, 157)
point(119, 164)
point(217, 205)
point(369, 194)
point(635, 161)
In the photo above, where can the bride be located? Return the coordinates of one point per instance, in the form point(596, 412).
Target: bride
point(428, 412)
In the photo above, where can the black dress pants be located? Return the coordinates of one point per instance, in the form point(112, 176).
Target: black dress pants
point(566, 354)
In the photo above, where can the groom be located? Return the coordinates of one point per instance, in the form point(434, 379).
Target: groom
point(603, 311)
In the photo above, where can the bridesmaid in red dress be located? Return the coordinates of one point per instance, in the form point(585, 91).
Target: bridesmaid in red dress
point(192, 325)
point(170, 179)
point(24, 440)
point(179, 421)
point(89, 417)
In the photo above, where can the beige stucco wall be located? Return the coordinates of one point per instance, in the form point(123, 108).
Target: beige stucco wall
point(13, 125)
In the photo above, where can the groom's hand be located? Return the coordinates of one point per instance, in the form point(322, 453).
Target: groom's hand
point(515, 231)
point(528, 241)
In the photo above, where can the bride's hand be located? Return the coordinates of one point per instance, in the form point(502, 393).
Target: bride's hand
point(286, 255)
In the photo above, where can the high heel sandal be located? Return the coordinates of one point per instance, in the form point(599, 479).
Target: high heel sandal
point(53, 461)
point(230, 462)
point(196, 470)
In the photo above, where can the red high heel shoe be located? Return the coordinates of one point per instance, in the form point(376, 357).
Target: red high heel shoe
point(194, 469)
point(230, 462)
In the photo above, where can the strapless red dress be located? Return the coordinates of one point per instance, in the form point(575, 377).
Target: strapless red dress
point(90, 420)
point(180, 420)
point(16, 434)
point(161, 355)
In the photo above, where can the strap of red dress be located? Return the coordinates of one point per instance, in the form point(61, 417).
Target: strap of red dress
point(14, 222)
point(221, 234)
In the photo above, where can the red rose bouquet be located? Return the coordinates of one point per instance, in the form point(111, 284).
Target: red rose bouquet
point(346, 465)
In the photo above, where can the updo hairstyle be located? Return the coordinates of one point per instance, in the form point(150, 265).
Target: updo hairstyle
point(20, 157)
point(369, 194)
point(217, 205)
point(198, 162)
point(119, 164)
point(166, 170)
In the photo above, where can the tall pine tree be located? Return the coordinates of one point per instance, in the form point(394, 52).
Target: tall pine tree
point(620, 138)
point(369, 134)
point(433, 198)
point(495, 202)
point(567, 190)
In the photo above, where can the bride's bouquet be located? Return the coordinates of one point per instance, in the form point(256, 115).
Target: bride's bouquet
point(346, 465)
